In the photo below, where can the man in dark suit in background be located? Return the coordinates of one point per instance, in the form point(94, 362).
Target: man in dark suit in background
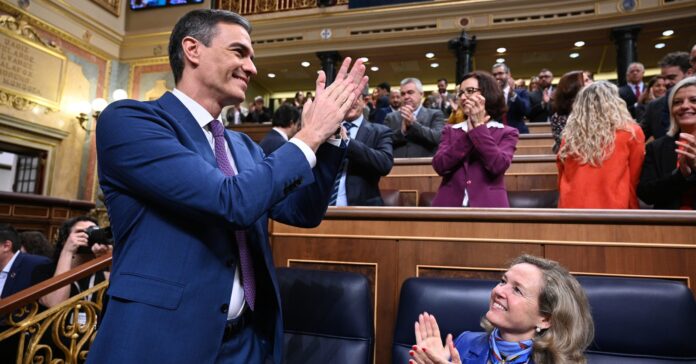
point(17, 271)
point(416, 129)
point(540, 100)
point(286, 123)
point(634, 87)
point(258, 113)
point(369, 158)
point(517, 99)
point(193, 279)
point(673, 67)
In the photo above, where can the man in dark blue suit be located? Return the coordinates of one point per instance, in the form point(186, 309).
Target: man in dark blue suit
point(286, 123)
point(517, 100)
point(193, 279)
point(369, 158)
point(17, 271)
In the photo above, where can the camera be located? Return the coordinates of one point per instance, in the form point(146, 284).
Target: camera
point(97, 235)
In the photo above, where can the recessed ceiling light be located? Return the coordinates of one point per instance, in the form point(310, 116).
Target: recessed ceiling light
point(374, 68)
point(579, 43)
point(271, 75)
point(429, 55)
point(500, 60)
point(434, 65)
point(305, 64)
point(574, 55)
point(660, 45)
point(668, 32)
point(364, 59)
point(501, 50)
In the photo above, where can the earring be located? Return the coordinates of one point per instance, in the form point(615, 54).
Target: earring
point(538, 329)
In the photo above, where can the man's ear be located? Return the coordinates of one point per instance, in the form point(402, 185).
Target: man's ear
point(192, 49)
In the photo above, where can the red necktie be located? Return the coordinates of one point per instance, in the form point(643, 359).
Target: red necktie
point(637, 92)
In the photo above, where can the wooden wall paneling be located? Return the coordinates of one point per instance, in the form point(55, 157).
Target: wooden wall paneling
point(255, 131)
point(539, 128)
point(652, 262)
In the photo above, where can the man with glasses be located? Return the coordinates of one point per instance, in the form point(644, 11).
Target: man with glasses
point(673, 67)
point(517, 100)
point(416, 129)
point(540, 99)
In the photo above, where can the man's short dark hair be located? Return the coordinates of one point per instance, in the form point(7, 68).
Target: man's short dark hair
point(7, 232)
point(200, 24)
point(286, 116)
point(385, 86)
point(679, 59)
point(442, 79)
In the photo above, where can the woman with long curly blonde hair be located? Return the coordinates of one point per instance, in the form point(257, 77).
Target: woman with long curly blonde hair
point(602, 152)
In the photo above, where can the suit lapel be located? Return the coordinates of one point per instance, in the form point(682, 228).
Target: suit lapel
point(363, 131)
point(11, 281)
point(241, 156)
point(173, 106)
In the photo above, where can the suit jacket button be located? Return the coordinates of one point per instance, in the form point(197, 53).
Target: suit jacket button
point(468, 182)
point(224, 308)
point(229, 263)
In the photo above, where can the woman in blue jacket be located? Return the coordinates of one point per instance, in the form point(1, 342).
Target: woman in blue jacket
point(538, 313)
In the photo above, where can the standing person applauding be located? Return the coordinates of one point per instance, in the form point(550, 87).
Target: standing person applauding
point(474, 154)
point(601, 153)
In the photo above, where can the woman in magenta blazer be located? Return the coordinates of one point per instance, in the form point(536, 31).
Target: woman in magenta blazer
point(473, 155)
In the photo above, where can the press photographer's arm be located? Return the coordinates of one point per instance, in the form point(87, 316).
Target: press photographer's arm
point(73, 249)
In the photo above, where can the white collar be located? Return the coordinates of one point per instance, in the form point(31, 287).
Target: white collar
point(490, 124)
point(357, 122)
point(6, 268)
point(281, 132)
point(199, 113)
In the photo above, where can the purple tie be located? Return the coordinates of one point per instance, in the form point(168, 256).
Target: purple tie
point(248, 280)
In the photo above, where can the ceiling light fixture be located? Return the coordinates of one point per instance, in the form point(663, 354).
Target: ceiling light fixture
point(374, 68)
point(667, 33)
point(660, 45)
point(429, 55)
point(579, 43)
point(500, 60)
point(501, 50)
point(574, 55)
point(364, 59)
point(434, 65)
point(305, 64)
point(271, 75)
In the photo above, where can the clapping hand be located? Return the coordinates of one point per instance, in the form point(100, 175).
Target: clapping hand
point(475, 109)
point(322, 117)
point(686, 154)
point(429, 348)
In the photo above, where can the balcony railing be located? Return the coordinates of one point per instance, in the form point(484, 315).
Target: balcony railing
point(60, 334)
point(251, 7)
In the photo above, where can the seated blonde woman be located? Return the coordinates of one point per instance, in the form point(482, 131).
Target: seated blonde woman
point(538, 313)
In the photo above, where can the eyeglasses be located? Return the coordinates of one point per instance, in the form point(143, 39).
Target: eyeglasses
point(468, 91)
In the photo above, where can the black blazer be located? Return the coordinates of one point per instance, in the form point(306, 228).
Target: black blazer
point(272, 141)
point(655, 121)
point(661, 184)
point(369, 158)
point(538, 113)
point(628, 95)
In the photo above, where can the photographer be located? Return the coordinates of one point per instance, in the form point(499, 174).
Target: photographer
point(73, 248)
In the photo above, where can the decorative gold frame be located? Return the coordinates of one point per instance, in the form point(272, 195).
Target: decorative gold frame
point(112, 6)
point(19, 30)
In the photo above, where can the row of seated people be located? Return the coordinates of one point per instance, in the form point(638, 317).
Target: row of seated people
point(536, 313)
point(602, 160)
